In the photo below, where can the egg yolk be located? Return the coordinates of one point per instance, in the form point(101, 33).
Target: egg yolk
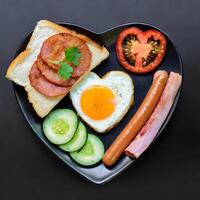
point(98, 102)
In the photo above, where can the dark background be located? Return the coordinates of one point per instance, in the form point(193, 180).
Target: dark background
point(170, 169)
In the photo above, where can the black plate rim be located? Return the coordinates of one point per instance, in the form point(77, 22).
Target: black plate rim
point(102, 181)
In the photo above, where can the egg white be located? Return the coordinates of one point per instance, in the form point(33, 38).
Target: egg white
point(122, 86)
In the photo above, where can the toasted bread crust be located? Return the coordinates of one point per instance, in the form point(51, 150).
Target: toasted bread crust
point(19, 59)
point(61, 29)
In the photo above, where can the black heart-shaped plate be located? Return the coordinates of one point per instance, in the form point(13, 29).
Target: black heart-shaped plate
point(99, 173)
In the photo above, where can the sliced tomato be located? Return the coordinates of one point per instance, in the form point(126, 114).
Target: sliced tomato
point(53, 50)
point(138, 51)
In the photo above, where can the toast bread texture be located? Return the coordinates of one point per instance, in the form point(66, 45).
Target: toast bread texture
point(20, 67)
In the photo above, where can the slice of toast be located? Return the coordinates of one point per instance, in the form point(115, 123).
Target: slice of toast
point(20, 67)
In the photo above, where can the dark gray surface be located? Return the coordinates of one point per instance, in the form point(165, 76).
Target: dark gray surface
point(169, 170)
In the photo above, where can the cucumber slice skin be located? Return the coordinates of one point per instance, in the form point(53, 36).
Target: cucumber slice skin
point(65, 115)
point(77, 141)
point(87, 159)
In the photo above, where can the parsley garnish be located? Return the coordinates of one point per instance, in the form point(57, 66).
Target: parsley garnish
point(65, 70)
point(72, 55)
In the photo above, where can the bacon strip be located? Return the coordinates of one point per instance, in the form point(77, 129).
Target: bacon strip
point(153, 125)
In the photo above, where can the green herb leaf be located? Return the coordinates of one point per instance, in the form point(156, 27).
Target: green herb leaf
point(65, 70)
point(72, 55)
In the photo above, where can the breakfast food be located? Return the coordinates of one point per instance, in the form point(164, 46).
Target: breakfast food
point(60, 126)
point(103, 102)
point(57, 62)
point(51, 75)
point(153, 125)
point(54, 61)
point(54, 48)
point(77, 141)
point(138, 120)
point(43, 86)
point(138, 51)
point(91, 153)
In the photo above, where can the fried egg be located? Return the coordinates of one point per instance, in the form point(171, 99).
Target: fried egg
point(103, 102)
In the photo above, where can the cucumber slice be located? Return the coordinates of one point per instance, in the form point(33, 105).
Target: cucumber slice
point(60, 126)
point(91, 153)
point(77, 141)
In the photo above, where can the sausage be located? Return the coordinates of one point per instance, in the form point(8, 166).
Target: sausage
point(43, 86)
point(154, 123)
point(52, 75)
point(138, 120)
point(53, 51)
